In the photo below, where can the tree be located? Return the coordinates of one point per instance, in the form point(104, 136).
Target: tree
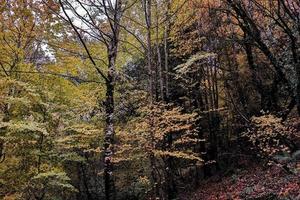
point(107, 32)
point(167, 139)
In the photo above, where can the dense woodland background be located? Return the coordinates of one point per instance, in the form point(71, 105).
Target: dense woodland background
point(149, 99)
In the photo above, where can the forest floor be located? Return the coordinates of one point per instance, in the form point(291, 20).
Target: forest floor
point(254, 182)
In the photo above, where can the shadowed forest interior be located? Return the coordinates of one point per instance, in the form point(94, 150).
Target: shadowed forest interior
point(149, 99)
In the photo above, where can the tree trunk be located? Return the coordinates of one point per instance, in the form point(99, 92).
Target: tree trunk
point(112, 51)
point(166, 48)
point(109, 111)
point(147, 10)
point(159, 64)
point(109, 135)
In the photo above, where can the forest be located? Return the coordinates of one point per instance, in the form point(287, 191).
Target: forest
point(150, 99)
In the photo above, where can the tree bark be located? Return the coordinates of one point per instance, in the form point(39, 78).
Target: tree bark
point(147, 11)
point(159, 63)
point(166, 48)
point(112, 50)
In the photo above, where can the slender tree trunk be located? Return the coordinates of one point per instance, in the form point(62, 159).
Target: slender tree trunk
point(112, 51)
point(84, 178)
point(109, 111)
point(147, 12)
point(166, 48)
point(159, 64)
point(109, 136)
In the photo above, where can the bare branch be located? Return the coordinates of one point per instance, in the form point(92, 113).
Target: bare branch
point(82, 42)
